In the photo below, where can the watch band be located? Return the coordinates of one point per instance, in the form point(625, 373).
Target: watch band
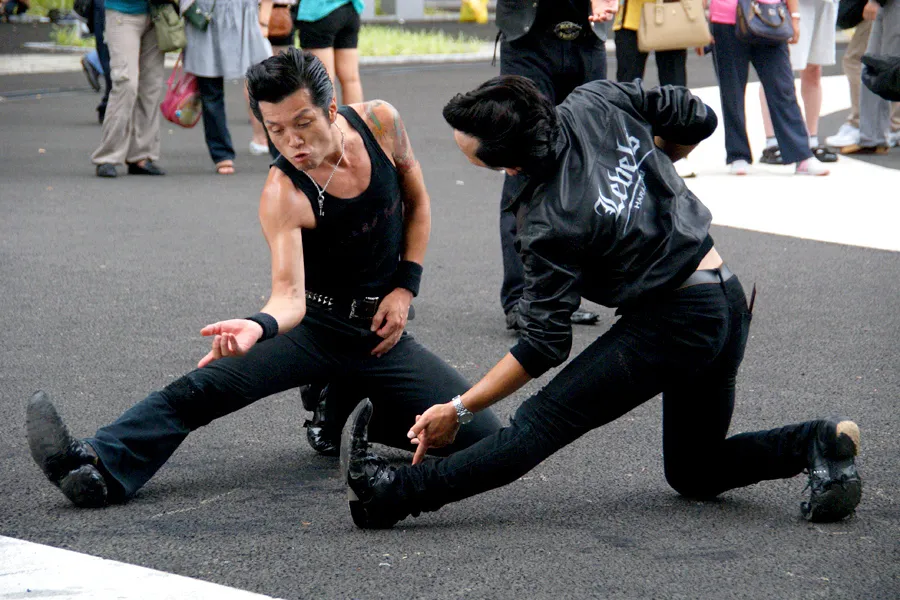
point(463, 414)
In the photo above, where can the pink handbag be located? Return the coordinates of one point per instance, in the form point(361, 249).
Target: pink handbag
point(182, 102)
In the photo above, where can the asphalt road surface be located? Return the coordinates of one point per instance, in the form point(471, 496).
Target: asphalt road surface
point(105, 284)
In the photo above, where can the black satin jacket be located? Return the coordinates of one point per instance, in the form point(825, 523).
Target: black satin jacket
point(614, 223)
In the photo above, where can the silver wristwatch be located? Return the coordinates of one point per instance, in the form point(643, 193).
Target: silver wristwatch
point(463, 414)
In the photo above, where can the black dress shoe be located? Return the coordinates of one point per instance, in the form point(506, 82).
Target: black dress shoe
point(107, 170)
point(322, 435)
point(584, 317)
point(368, 476)
point(834, 483)
point(68, 463)
point(148, 168)
point(771, 156)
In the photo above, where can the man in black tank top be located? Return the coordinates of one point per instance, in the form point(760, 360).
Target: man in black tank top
point(347, 219)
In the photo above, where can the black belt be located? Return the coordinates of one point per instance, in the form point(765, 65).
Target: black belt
point(708, 276)
point(349, 308)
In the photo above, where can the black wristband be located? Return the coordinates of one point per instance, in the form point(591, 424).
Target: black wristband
point(408, 276)
point(268, 323)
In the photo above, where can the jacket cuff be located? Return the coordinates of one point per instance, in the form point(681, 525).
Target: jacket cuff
point(534, 362)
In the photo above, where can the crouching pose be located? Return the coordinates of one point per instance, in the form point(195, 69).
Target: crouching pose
point(347, 219)
point(603, 215)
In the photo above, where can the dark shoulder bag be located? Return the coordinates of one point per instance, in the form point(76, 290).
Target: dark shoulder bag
point(197, 18)
point(763, 24)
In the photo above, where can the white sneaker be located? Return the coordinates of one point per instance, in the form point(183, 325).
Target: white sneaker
point(893, 139)
point(684, 169)
point(811, 166)
point(258, 149)
point(847, 135)
point(739, 167)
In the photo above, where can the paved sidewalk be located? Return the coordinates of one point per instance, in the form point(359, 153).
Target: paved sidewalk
point(39, 572)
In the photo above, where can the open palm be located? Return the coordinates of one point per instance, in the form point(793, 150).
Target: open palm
point(232, 338)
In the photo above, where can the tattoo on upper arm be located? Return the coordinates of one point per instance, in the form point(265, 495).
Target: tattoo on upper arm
point(377, 126)
point(403, 154)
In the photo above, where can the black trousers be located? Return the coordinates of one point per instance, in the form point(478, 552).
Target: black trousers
point(401, 384)
point(631, 62)
point(102, 51)
point(557, 67)
point(688, 346)
point(215, 123)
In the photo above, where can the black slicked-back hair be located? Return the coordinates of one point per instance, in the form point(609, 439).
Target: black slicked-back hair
point(279, 76)
point(514, 122)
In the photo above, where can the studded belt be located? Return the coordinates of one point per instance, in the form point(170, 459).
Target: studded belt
point(349, 308)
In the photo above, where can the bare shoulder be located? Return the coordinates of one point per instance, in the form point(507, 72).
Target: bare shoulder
point(282, 205)
point(379, 115)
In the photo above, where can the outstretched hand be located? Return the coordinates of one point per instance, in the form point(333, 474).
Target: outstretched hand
point(435, 428)
point(603, 10)
point(232, 338)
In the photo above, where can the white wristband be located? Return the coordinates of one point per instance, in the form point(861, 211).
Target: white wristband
point(795, 15)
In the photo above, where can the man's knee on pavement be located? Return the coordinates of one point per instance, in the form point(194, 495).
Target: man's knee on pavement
point(689, 480)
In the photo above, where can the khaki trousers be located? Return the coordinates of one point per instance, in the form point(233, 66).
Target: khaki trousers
point(853, 70)
point(131, 126)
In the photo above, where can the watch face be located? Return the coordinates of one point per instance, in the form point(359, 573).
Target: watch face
point(465, 418)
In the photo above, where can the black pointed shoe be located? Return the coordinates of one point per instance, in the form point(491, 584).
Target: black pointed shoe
point(834, 483)
point(148, 168)
point(68, 463)
point(324, 437)
point(368, 476)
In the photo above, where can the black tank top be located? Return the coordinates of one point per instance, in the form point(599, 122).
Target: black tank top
point(356, 245)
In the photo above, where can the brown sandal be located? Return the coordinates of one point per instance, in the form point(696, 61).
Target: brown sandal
point(225, 167)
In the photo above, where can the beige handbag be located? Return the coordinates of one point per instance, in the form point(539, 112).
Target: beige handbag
point(673, 26)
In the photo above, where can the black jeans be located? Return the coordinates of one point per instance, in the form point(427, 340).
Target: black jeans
point(215, 124)
point(102, 51)
point(687, 345)
point(631, 62)
point(401, 384)
point(773, 66)
point(557, 67)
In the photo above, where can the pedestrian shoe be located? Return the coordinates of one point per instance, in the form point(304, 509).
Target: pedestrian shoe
point(148, 168)
point(258, 149)
point(824, 154)
point(893, 139)
point(68, 463)
point(771, 156)
point(857, 149)
point(584, 317)
point(368, 475)
point(834, 484)
point(107, 170)
point(320, 434)
point(91, 73)
point(811, 167)
point(846, 135)
point(684, 169)
point(739, 167)
point(101, 113)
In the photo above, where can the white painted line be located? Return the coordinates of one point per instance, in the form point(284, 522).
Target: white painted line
point(857, 204)
point(38, 572)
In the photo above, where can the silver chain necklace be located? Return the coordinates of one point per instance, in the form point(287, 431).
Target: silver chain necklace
point(322, 189)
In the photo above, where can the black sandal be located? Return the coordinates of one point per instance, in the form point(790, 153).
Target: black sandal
point(771, 156)
point(824, 154)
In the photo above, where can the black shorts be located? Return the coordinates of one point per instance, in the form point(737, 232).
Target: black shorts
point(338, 30)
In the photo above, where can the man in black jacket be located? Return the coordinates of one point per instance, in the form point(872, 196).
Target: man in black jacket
point(559, 45)
point(602, 214)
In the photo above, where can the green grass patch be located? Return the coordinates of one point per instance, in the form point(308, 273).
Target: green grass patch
point(42, 7)
point(70, 35)
point(377, 40)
